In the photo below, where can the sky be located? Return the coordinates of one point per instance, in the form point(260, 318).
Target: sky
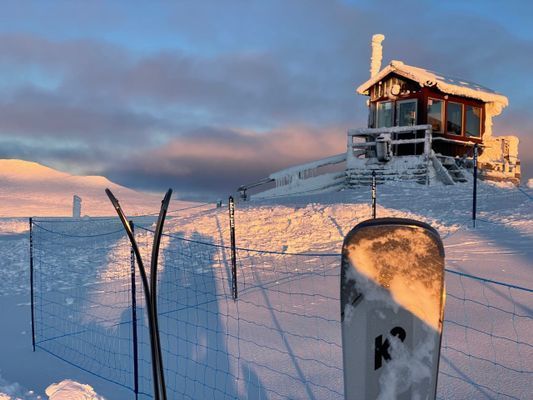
point(204, 96)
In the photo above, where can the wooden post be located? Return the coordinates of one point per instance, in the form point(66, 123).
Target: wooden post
point(231, 207)
point(427, 150)
point(349, 150)
point(427, 142)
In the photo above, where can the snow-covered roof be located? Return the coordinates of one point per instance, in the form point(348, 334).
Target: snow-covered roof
point(449, 85)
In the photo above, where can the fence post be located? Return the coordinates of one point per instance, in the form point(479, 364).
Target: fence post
point(231, 207)
point(134, 320)
point(474, 194)
point(374, 194)
point(428, 137)
point(31, 288)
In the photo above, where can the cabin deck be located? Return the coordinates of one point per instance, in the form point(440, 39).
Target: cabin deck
point(406, 153)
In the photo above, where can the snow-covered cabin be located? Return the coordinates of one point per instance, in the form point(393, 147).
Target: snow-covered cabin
point(460, 112)
point(422, 126)
point(403, 95)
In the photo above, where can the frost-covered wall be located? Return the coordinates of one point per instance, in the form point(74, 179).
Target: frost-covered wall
point(500, 149)
point(492, 109)
point(499, 159)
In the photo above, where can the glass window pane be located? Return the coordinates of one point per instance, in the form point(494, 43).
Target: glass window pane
point(406, 113)
point(454, 123)
point(473, 121)
point(372, 115)
point(435, 114)
point(384, 114)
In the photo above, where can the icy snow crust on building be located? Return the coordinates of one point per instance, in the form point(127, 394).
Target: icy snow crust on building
point(446, 84)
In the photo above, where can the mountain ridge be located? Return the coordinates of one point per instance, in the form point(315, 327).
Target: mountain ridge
point(28, 188)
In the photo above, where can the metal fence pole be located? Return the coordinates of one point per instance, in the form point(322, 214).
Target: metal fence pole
point(374, 194)
point(231, 207)
point(31, 288)
point(474, 194)
point(134, 320)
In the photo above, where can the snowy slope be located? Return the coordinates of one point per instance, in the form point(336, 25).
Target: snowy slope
point(31, 189)
point(500, 248)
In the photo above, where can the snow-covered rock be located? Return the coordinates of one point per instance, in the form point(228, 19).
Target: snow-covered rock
point(71, 390)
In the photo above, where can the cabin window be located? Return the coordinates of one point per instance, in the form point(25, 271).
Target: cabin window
point(454, 120)
point(406, 112)
point(436, 115)
point(473, 121)
point(372, 115)
point(384, 114)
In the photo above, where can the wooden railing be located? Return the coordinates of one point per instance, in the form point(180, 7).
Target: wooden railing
point(244, 188)
point(369, 135)
point(290, 175)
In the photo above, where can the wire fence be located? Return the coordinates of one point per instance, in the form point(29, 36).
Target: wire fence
point(280, 340)
point(82, 295)
point(487, 347)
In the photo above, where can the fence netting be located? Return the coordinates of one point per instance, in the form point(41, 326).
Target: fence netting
point(487, 347)
point(83, 295)
point(281, 339)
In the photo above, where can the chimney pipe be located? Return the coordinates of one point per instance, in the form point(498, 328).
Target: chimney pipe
point(377, 54)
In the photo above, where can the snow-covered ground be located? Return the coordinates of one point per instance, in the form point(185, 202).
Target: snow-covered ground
point(277, 355)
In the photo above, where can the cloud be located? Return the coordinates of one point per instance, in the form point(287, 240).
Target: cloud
point(218, 161)
point(69, 156)
point(216, 84)
point(30, 112)
point(249, 87)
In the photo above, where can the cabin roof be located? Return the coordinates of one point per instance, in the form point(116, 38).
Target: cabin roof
point(446, 84)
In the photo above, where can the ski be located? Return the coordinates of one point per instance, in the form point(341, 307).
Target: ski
point(153, 284)
point(392, 302)
point(149, 288)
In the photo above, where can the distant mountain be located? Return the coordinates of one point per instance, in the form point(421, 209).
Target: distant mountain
point(31, 189)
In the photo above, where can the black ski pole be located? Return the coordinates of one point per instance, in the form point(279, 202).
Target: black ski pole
point(134, 320)
point(474, 194)
point(153, 285)
point(146, 289)
point(374, 194)
point(231, 209)
point(31, 288)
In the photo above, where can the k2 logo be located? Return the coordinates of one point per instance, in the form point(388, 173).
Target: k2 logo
point(382, 347)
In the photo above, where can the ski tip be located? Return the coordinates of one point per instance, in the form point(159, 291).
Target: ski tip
point(166, 199)
point(398, 222)
point(112, 197)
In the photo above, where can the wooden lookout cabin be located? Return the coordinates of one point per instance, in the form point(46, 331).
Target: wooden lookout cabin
point(458, 111)
point(422, 126)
